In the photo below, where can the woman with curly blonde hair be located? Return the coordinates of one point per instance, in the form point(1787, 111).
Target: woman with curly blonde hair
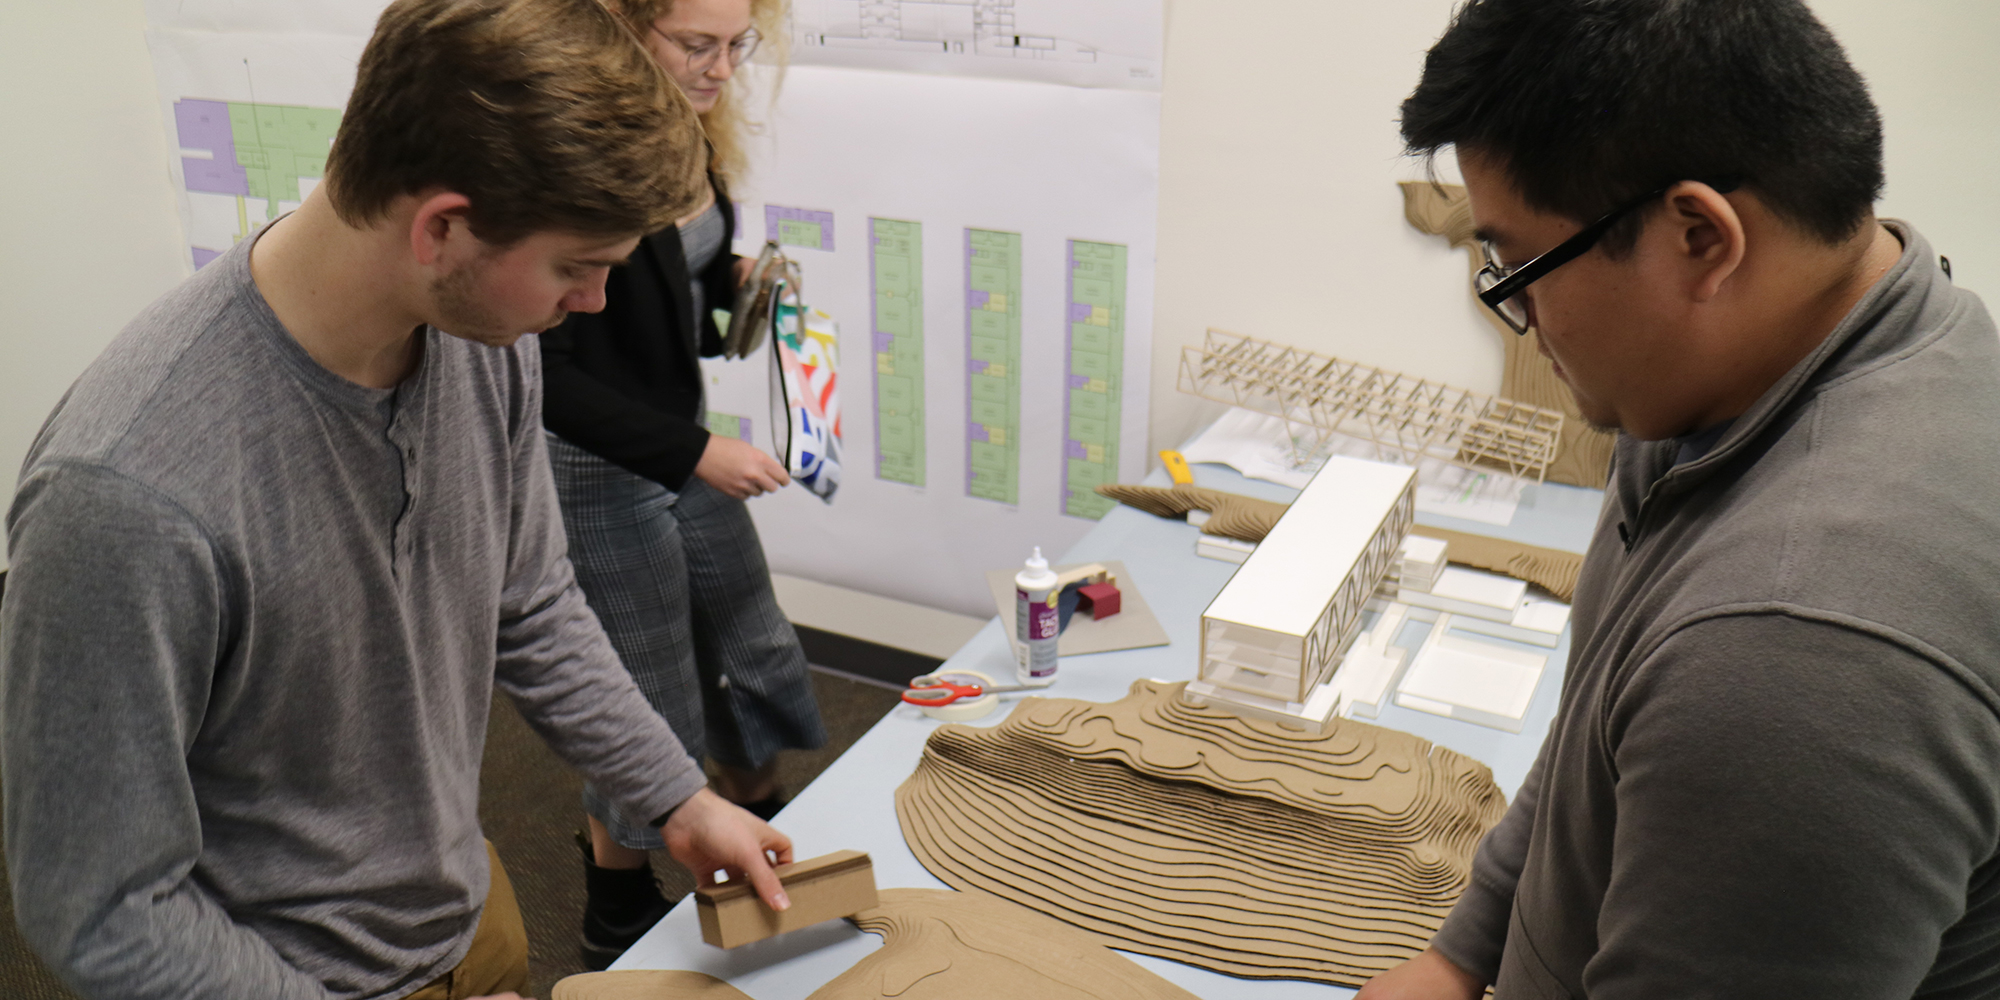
point(663, 545)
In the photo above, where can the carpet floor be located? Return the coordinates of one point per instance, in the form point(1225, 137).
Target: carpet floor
point(529, 805)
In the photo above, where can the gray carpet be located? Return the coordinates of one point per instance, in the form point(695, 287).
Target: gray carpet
point(528, 804)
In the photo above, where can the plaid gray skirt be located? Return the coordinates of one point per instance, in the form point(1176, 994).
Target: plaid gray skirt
point(680, 583)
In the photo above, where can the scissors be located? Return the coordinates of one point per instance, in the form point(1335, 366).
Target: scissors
point(935, 690)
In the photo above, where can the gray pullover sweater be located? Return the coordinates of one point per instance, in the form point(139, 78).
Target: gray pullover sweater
point(1776, 768)
point(249, 642)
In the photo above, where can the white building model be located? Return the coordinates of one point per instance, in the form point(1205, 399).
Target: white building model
point(1272, 639)
point(1283, 639)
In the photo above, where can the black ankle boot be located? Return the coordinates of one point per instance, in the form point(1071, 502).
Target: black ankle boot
point(620, 905)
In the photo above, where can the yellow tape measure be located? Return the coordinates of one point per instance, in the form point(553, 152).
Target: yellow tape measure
point(1177, 468)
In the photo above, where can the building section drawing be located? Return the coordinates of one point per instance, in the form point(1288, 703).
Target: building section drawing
point(798, 227)
point(993, 369)
point(896, 280)
point(1405, 419)
point(1116, 43)
point(245, 164)
point(1094, 375)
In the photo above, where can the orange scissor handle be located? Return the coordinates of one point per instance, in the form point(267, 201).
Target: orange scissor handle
point(941, 692)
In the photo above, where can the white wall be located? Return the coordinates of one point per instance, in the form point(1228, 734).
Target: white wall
point(88, 229)
point(1279, 214)
point(1280, 218)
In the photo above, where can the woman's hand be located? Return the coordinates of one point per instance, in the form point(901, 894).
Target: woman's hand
point(739, 468)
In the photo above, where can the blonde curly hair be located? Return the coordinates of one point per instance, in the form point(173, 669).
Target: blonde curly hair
point(729, 124)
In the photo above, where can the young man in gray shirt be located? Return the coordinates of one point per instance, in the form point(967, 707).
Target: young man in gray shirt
point(277, 546)
point(1773, 772)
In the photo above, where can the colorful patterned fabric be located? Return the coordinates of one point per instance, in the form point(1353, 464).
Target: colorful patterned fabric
point(805, 383)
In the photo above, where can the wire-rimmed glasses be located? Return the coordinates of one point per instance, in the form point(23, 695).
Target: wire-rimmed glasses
point(701, 56)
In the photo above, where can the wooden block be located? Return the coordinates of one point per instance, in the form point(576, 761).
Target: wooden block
point(1100, 599)
point(823, 888)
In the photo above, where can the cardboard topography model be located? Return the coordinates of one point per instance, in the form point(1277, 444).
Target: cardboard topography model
point(1232, 844)
point(1584, 455)
point(936, 945)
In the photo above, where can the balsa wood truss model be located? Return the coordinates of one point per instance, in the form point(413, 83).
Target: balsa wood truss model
point(1584, 453)
point(936, 945)
point(1406, 419)
point(1240, 846)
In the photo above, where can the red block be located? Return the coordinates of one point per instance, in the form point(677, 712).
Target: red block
point(1100, 599)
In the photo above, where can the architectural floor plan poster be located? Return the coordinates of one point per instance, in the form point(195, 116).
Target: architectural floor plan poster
point(1102, 43)
point(250, 117)
point(986, 247)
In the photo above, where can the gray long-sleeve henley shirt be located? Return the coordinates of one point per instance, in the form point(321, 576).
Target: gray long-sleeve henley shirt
point(249, 642)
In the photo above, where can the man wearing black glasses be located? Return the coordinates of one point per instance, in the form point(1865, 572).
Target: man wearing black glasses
point(1773, 771)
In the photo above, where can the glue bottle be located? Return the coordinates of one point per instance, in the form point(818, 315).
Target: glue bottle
point(1036, 620)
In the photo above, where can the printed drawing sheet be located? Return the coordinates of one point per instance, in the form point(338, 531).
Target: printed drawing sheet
point(1102, 43)
point(251, 116)
point(986, 248)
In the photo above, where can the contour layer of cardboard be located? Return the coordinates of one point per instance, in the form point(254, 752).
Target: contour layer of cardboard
point(1231, 515)
point(936, 945)
point(1232, 844)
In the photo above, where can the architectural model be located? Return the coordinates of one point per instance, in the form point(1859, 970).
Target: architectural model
point(936, 945)
point(1237, 845)
point(1270, 641)
point(1248, 519)
point(1583, 454)
point(1405, 419)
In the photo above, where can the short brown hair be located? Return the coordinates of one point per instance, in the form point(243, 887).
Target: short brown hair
point(545, 114)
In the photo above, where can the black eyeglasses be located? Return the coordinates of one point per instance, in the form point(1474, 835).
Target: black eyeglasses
point(1498, 284)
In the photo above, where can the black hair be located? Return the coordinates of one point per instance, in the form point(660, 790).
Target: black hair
point(1586, 104)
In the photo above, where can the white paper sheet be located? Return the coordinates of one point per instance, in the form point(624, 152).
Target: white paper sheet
point(1103, 43)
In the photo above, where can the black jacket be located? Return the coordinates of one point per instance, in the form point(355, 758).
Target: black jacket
point(625, 384)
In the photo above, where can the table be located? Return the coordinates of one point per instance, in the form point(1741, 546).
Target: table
point(852, 803)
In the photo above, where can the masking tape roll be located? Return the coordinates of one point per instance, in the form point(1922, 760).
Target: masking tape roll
point(970, 708)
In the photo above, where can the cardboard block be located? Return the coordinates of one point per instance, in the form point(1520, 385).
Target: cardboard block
point(824, 888)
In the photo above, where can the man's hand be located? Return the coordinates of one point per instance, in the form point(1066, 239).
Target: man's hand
point(1429, 976)
point(739, 468)
point(708, 832)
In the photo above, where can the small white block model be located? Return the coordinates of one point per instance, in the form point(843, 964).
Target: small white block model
point(1470, 680)
point(1271, 640)
point(1373, 665)
point(1233, 550)
point(1537, 622)
point(1469, 592)
point(1421, 560)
